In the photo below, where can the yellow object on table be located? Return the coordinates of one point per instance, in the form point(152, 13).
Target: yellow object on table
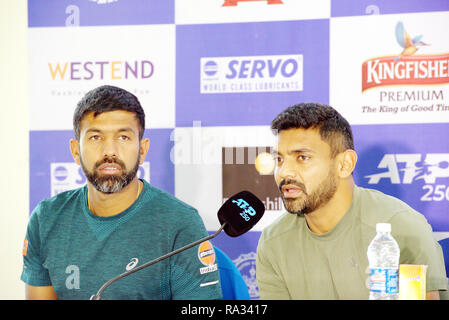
point(412, 282)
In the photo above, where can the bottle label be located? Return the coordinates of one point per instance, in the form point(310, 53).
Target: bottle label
point(384, 280)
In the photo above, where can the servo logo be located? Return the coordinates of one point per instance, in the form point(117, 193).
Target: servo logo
point(432, 169)
point(277, 73)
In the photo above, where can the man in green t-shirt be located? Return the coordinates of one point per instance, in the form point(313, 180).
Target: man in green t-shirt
point(317, 250)
point(79, 239)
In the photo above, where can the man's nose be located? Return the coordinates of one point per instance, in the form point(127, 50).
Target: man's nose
point(288, 170)
point(109, 148)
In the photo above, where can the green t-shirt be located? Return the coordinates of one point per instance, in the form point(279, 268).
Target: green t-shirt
point(76, 252)
point(295, 263)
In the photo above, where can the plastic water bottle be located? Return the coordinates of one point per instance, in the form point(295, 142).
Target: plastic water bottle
point(383, 257)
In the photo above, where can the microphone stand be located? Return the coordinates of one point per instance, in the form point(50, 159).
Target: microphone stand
point(168, 255)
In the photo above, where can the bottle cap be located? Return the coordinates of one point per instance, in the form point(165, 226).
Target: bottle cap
point(383, 227)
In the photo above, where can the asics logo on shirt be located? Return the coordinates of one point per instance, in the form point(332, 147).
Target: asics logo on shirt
point(132, 264)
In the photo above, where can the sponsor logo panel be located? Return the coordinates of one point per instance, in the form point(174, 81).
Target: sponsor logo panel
point(62, 70)
point(399, 75)
point(248, 70)
point(412, 164)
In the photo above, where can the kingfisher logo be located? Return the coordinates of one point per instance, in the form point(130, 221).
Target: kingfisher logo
point(100, 70)
point(405, 68)
point(251, 74)
point(432, 169)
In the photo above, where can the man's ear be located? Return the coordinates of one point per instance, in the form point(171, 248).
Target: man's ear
point(75, 150)
point(346, 163)
point(144, 146)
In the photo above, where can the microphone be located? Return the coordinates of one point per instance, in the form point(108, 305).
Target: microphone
point(240, 213)
point(237, 215)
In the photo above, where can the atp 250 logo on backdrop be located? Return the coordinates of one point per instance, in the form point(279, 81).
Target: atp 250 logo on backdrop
point(432, 169)
point(410, 162)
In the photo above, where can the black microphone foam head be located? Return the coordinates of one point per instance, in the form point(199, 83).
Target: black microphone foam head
point(241, 212)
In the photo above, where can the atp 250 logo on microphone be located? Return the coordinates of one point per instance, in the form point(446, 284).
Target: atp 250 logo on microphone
point(271, 73)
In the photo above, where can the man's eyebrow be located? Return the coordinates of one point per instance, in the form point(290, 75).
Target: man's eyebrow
point(93, 130)
point(301, 150)
point(127, 129)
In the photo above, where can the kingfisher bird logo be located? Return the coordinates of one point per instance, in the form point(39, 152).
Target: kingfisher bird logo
point(409, 45)
point(406, 67)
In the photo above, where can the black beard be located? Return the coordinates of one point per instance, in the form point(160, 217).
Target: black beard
point(110, 183)
point(315, 200)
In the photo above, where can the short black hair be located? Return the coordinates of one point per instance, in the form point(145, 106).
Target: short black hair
point(333, 128)
point(108, 98)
